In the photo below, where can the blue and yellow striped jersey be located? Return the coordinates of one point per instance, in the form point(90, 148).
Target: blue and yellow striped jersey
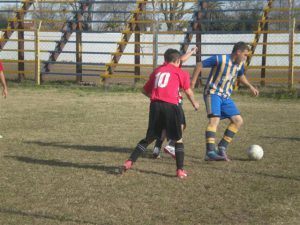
point(222, 75)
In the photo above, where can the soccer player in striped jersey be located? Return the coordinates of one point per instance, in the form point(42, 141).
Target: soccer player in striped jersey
point(225, 69)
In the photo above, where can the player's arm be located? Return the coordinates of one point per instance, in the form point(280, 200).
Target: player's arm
point(147, 94)
point(243, 79)
point(148, 87)
point(185, 85)
point(187, 55)
point(196, 72)
point(190, 95)
point(3, 82)
point(207, 63)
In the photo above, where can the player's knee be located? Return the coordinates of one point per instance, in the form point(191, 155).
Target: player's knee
point(145, 142)
point(179, 141)
point(183, 127)
point(238, 121)
point(214, 122)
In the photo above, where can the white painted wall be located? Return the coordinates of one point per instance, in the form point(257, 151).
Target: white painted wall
point(207, 49)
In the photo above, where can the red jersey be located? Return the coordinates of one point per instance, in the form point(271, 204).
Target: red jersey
point(164, 83)
point(1, 66)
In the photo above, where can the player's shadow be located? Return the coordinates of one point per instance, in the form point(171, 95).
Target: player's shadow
point(296, 178)
point(90, 148)
point(155, 173)
point(61, 219)
point(113, 170)
point(201, 160)
point(240, 159)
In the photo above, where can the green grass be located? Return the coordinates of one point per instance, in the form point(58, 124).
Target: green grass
point(274, 92)
point(73, 86)
point(61, 149)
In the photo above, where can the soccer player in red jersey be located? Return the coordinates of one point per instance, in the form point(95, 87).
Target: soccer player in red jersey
point(3, 81)
point(170, 147)
point(162, 89)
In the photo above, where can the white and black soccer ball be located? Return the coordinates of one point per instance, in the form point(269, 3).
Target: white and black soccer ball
point(255, 152)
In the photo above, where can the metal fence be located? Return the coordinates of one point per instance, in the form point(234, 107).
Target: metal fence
point(104, 40)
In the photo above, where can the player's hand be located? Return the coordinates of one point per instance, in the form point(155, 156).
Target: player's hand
point(196, 106)
point(194, 50)
point(4, 92)
point(254, 91)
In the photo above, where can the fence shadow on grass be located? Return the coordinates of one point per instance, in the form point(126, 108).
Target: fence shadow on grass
point(296, 178)
point(113, 170)
point(107, 169)
point(91, 148)
point(43, 216)
point(283, 138)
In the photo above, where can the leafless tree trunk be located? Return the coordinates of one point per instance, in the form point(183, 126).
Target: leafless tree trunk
point(173, 16)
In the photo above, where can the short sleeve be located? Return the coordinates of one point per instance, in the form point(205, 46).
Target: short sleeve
point(180, 65)
point(150, 83)
point(210, 62)
point(241, 70)
point(1, 66)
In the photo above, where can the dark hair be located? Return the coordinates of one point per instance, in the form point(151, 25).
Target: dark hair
point(242, 46)
point(171, 55)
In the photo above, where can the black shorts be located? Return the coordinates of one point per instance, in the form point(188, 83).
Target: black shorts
point(182, 116)
point(166, 116)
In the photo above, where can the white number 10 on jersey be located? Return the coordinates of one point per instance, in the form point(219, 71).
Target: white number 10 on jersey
point(161, 80)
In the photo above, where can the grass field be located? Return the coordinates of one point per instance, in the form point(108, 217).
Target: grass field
point(61, 149)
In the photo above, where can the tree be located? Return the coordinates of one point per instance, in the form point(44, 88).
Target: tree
point(113, 19)
point(5, 16)
point(246, 19)
point(173, 16)
point(50, 11)
point(213, 16)
point(3, 22)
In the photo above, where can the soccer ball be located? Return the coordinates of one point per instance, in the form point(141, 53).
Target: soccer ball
point(255, 152)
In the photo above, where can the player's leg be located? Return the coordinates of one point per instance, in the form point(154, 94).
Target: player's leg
point(170, 147)
point(174, 132)
point(231, 130)
point(179, 156)
point(229, 110)
point(140, 148)
point(155, 127)
point(213, 109)
point(210, 136)
point(182, 118)
point(158, 144)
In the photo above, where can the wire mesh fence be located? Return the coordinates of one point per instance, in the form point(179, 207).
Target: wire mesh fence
point(91, 39)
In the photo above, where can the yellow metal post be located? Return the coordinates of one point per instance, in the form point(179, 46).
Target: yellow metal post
point(260, 30)
point(37, 54)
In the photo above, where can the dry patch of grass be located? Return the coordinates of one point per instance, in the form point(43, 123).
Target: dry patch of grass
point(61, 149)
